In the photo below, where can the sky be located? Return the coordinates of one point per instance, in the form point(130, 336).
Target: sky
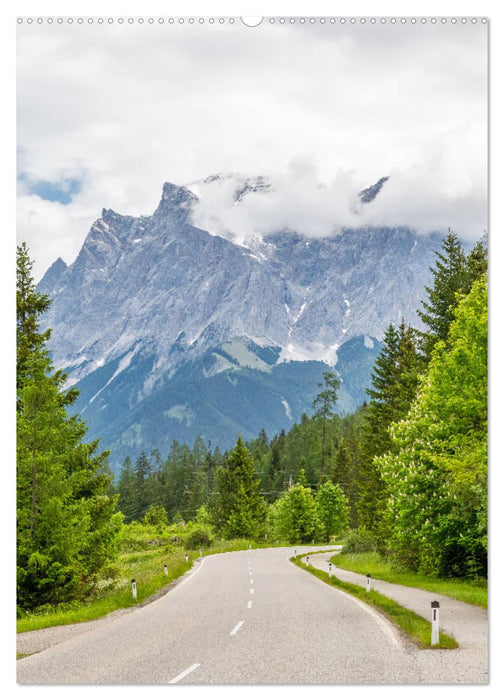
point(108, 112)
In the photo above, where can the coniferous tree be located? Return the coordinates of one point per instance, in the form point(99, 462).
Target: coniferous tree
point(66, 521)
point(394, 382)
point(453, 274)
point(127, 489)
point(341, 466)
point(142, 471)
point(238, 509)
point(324, 404)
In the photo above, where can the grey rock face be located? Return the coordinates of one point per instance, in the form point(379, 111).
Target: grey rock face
point(157, 287)
point(159, 282)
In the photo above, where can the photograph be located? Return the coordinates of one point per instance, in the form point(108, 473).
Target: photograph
point(252, 350)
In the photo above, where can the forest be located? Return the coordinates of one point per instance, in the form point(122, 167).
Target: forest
point(405, 475)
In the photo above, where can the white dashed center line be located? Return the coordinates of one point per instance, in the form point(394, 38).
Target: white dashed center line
point(184, 674)
point(235, 629)
point(249, 605)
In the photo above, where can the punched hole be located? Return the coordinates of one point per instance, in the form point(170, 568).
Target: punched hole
point(251, 21)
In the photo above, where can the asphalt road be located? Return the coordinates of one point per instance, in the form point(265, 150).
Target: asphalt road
point(243, 618)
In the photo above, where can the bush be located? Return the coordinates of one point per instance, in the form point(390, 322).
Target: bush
point(360, 540)
point(156, 517)
point(198, 538)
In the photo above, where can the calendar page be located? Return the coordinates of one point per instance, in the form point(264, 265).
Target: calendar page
point(252, 350)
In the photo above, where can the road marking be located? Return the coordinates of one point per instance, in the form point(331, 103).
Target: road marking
point(251, 591)
point(251, 580)
point(249, 605)
point(235, 630)
point(384, 625)
point(184, 674)
point(189, 576)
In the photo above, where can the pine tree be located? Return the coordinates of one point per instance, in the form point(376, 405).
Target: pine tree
point(127, 489)
point(477, 260)
point(30, 305)
point(66, 524)
point(394, 381)
point(142, 471)
point(451, 276)
point(341, 466)
point(238, 510)
point(324, 404)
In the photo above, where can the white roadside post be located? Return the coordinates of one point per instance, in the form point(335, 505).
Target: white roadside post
point(307, 560)
point(435, 623)
point(250, 545)
point(166, 570)
point(330, 569)
point(134, 588)
point(201, 552)
point(368, 583)
point(187, 557)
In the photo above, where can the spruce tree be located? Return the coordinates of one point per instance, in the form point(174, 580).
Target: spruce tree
point(454, 273)
point(127, 490)
point(238, 509)
point(66, 521)
point(394, 381)
point(324, 404)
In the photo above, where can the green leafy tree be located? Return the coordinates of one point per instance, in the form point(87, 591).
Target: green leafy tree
point(332, 509)
point(295, 516)
point(66, 520)
point(324, 404)
point(239, 509)
point(437, 474)
point(156, 517)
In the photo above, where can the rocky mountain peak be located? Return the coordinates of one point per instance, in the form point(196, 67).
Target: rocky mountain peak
point(367, 195)
point(176, 200)
point(149, 301)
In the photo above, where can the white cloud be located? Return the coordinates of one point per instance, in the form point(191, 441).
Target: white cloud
point(124, 108)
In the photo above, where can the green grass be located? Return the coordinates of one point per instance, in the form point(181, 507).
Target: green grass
point(415, 627)
point(146, 566)
point(377, 567)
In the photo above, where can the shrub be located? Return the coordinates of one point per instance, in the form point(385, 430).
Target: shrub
point(360, 540)
point(198, 538)
point(156, 517)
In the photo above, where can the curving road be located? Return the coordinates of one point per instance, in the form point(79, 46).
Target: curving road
point(244, 617)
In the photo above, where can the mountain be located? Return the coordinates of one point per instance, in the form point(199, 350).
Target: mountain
point(170, 331)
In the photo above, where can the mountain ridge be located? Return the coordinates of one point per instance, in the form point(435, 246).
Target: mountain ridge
point(151, 295)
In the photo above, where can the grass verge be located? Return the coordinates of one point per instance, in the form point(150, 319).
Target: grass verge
point(415, 627)
point(377, 567)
